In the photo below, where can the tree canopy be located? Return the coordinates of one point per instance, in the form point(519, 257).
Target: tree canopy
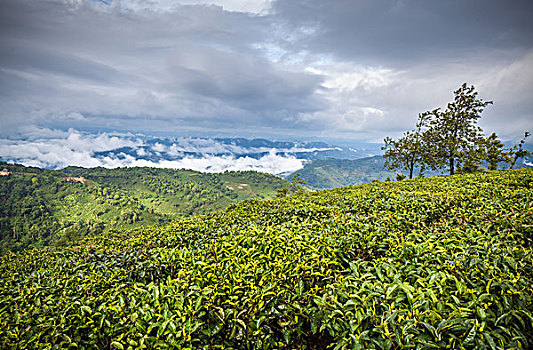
point(450, 140)
point(454, 137)
point(406, 152)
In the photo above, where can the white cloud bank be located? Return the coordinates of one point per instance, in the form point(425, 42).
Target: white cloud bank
point(58, 149)
point(272, 163)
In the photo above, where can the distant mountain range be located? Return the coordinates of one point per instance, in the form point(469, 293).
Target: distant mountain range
point(194, 153)
point(322, 164)
point(168, 149)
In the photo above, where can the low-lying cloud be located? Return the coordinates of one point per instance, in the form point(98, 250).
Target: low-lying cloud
point(271, 163)
point(58, 149)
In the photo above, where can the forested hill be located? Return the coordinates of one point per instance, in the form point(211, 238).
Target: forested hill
point(431, 263)
point(331, 173)
point(40, 207)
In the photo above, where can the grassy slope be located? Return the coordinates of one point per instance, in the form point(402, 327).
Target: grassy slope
point(428, 263)
point(39, 207)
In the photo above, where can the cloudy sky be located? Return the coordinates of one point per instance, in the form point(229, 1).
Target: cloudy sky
point(280, 69)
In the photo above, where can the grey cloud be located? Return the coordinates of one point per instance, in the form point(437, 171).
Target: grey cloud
point(369, 103)
point(354, 69)
point(251, 84)
point(428, 49)
point(41, 60)
point(196, 65)
point(393, 31)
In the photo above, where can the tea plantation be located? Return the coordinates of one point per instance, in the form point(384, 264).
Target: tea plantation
point(444, 262)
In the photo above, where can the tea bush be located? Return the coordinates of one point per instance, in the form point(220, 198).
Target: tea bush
point(442, 262)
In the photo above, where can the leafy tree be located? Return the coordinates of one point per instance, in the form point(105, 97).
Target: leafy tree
point(405, 152)
point(517, 151)
point(494, 152)
point(472, 161)
point(453, 134)
point(283, 192)
point(296, 183)
point(294, 187)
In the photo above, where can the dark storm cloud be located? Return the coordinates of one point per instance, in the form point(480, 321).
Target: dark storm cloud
point(42, 60)
point(391, 31)
point(250, 84)
point(195, 64)
point(386, 61)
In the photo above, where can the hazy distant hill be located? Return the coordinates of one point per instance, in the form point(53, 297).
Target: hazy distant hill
point(330, 173)
point(40, 207)
point(158, 149)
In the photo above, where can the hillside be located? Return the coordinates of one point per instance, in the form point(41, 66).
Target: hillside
point(331, 173)
point(440, 262)
point(41, 207)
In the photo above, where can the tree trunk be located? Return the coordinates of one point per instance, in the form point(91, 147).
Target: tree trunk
point(513, 162)
point(452, 168)
point(411, 168)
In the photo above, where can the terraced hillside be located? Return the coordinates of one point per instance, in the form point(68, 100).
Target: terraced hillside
point(442, 262)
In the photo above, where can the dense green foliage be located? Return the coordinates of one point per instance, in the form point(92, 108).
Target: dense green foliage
point(41, 207)
point(454, 140)
point(331, 173)
point(406, 153)
point(441, 262)
point(517, 151)
point(451, 140)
